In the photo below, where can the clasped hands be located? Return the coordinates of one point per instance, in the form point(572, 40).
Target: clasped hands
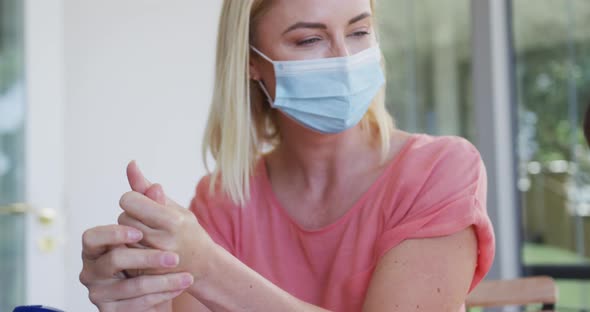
point(153, 255)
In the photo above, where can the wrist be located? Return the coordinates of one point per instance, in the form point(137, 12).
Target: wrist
point(206, 260)
point(211, 274)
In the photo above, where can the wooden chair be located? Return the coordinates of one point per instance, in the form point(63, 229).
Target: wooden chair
point(522, 291)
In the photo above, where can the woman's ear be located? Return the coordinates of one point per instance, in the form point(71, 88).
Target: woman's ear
point(254, 72)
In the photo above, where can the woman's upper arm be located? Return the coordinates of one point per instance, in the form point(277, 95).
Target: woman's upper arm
point(188, 303)
point(431, 274)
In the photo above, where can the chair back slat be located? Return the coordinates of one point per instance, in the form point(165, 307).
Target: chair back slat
point(522, 291)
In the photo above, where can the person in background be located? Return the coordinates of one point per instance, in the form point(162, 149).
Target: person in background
point(316, 201)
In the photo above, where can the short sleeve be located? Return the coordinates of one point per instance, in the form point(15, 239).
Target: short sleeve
point(214, 215)
point(448, 195)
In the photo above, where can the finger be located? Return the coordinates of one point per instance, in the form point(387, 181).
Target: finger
point(143, 303)
point(148, 211)
point(98, 240)
point(141, 286)
point(123, 258)
point(136, 179)
point(140, 184)
point(127, 220)
point(156, 193)
point(151, 237)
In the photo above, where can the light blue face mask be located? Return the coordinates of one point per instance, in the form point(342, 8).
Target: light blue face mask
point(327, 95)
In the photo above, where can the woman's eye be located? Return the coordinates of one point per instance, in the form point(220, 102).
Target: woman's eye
point(309, 41)
point(360, 33)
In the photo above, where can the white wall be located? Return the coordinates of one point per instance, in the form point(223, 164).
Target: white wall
point(138, 81)
point(44, 146)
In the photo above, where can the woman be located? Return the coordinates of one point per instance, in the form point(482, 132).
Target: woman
point(316, 203)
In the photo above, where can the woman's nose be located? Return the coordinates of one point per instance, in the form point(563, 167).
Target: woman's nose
point(339, 48)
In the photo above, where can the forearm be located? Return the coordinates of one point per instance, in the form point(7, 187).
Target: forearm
point(230, 285)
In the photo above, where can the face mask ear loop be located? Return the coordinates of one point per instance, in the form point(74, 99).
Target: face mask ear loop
point(262, 54)
point(268, 98)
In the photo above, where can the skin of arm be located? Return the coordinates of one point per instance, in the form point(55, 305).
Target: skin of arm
point(187, 303)
point(435, 273)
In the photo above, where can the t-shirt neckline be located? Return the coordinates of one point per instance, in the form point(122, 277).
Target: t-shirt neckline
point(270, 196)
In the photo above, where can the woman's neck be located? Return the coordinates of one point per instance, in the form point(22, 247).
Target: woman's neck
point(315, 161)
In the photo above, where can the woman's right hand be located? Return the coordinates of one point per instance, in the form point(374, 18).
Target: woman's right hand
point(105, 257)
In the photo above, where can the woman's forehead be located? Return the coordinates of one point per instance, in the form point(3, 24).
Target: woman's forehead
point(284, 12)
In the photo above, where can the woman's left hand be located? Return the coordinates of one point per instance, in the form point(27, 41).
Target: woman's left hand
point(165, 224)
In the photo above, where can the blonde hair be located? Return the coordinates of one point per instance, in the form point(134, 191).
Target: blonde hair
point(241, 123)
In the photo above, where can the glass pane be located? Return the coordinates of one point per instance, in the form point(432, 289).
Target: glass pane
point(12, 117)
point(552, 43)
point(427, 48)
point(573, 296)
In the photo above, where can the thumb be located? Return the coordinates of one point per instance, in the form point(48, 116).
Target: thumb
point(136, 179)
point(156, 193)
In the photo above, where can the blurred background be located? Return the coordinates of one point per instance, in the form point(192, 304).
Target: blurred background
point(86, 86)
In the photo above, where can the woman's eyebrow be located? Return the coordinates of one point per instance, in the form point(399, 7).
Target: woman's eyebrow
point(298, 25)
point(359, 18)
point(305, 25)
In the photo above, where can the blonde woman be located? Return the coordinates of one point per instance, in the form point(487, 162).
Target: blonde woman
point(316, 202)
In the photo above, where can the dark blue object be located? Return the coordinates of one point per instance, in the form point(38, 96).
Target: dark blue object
point(35, 308)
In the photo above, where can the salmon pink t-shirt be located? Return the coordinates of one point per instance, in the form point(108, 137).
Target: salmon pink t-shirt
point(435, 186)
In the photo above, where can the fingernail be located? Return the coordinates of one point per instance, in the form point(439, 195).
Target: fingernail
point(134, 235)
point(160, 190)
point(186, 281)
point(170, 260)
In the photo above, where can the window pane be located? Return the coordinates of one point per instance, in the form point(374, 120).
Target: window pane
point(573, 296)
point(552, 43)
point(12, 118)
point(428, 54)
